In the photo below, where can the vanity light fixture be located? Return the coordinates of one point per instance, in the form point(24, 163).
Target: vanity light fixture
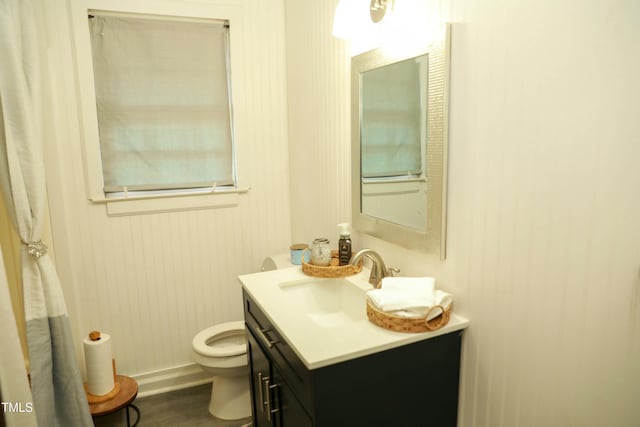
point(342, 27)
point(349, 19)
point(379, 9)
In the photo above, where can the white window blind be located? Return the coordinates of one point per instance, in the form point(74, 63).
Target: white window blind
point(391, 120)
point(163, 102)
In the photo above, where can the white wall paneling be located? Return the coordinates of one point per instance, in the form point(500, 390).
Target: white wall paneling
point(318, 98)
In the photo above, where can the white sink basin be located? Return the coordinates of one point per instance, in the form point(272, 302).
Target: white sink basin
point(329, 303)
point(325, 320)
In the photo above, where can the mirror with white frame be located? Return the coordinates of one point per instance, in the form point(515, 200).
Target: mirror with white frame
point(399, 117)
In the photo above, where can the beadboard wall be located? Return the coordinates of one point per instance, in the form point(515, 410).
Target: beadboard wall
point(318, 98)
point(543, 249)
point(152, 281)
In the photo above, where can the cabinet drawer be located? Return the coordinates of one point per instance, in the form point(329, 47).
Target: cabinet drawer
point(293, 371)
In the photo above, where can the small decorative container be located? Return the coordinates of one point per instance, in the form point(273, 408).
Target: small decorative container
point(298, 251)
point(321, 252)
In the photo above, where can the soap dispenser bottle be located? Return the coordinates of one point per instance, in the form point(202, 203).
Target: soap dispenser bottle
point(344, 244)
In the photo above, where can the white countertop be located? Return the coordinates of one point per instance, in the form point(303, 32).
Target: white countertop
point(317, 345)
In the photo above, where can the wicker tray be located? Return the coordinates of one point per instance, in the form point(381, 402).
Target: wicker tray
point(408, 324)
point(332, 271)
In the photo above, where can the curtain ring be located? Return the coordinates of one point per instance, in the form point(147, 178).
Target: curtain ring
point(36, 249)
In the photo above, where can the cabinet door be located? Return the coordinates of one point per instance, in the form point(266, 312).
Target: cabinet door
point(260, 382)
point(290, 412)
point(273, 402)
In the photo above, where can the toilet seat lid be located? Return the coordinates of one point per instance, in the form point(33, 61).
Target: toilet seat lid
point(222, 340)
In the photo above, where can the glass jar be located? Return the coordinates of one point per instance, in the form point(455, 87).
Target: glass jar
point(320, 252)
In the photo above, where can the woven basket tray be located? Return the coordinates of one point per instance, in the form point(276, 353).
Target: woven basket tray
point(332, 271)
point(408, 324)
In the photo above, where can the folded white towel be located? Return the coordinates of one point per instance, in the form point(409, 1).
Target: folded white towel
point(398, 293)
point(399, 299)
point(441, 298)
point(409, 298)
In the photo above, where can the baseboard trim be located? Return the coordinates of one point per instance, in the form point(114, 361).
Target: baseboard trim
point(170, 379)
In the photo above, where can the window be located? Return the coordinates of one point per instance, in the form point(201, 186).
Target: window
point(163, 102)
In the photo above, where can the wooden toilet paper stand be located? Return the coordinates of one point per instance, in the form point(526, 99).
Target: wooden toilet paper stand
point(122, 396)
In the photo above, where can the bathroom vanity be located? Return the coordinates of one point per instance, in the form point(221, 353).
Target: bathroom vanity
point(316, 360)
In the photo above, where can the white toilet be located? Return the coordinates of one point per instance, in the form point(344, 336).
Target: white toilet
point(221, 350)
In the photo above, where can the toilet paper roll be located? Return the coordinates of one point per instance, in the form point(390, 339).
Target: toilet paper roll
point(99, 364)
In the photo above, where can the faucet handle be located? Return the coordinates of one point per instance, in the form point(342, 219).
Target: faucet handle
point(391, 271)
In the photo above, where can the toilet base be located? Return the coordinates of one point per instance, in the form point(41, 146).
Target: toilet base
point(230, 397)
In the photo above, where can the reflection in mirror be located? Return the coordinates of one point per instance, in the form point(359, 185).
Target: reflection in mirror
point(393, 142)
point(399, 136)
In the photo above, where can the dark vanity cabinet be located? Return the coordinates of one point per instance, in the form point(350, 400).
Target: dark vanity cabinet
point(273, 402)
point(413, 385)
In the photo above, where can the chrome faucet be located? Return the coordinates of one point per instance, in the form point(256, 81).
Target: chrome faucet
point(378, 269)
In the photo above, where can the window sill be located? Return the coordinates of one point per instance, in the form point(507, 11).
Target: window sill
point(393, 179)
point(170, 202)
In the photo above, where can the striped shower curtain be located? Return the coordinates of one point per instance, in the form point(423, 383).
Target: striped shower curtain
point(56, 385)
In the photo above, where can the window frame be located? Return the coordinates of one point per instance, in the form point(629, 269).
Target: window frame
point(166, 200)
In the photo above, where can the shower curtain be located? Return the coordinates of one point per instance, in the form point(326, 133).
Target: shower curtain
point(14, 387)
point(56, 385)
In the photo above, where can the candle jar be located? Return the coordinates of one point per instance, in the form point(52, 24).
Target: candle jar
point(299, 251)
point(320, 252)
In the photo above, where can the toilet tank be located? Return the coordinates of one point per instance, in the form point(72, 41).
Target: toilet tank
point(276, 262)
